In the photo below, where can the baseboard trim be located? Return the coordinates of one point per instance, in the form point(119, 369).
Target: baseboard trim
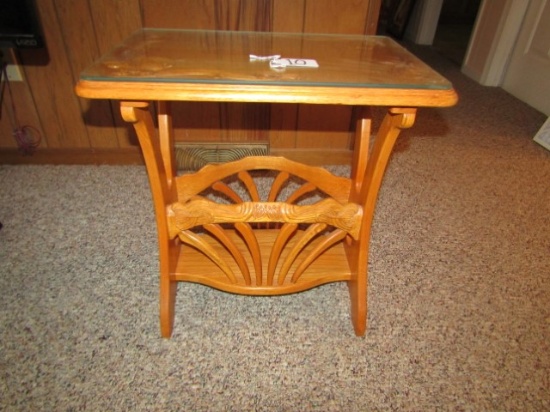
point(133, 156)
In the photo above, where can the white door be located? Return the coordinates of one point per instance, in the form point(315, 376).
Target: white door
point(528, 74)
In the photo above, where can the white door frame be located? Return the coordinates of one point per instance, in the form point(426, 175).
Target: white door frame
point(423, 22)
point(493, 38)
point(495, 32)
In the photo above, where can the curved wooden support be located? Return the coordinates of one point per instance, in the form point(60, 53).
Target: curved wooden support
point(394, 121)
point(277, 185)
point(361, 151)
point(227, 191)
point(166, 141)
point(330, 240)
point(366, 189)
point(192, 239)
point(282, 238)
point(161, 178)
point(307, 236)
point(253, 247)
point(221, 235)
point(302, 190)
point(250, 185)
point(192, 184)
point(138, 114)
point(201, 211)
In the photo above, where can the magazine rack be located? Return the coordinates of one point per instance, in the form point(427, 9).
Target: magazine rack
point(219, 226)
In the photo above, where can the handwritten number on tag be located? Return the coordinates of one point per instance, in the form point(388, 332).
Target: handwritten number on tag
point(289, 62)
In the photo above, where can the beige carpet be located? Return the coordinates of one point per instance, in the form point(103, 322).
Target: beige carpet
point(459, 314)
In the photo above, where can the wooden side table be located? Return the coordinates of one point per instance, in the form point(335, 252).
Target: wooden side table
point(276, 245)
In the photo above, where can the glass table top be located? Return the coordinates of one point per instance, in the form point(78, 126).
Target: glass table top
point(224, 57)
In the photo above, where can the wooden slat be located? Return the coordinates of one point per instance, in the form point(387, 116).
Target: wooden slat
point(329, 126)
point(329, 267)
point(173, 14)
point(250, 15)
point(50, 79)
point(245, 122)
point(288, 16)
point(81, 48)
point(319, 126)
point(113, 21)
point(325, 126)
point(242, 122)
point(196, 121)
point(192, 121)
point(282, 130)
point(284, 117)
point(341, 17)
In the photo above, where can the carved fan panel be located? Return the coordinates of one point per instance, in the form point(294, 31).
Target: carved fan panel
point(263, 229)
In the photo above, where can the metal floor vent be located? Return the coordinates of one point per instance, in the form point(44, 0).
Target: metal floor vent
point(195, 156)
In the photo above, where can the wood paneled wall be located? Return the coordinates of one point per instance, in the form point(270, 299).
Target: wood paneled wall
point(78, 31)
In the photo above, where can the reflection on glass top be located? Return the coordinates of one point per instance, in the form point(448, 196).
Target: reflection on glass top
point(223, 57)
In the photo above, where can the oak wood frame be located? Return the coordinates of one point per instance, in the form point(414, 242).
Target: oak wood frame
point(341, 255)
point(275, 245)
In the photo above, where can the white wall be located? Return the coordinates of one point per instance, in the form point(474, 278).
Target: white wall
point(423, 22)
point(495, 31)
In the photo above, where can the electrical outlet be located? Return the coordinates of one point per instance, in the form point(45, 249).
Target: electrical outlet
point(13, 70)
point(14, 73)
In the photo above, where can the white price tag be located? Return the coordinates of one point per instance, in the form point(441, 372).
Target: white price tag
point(254, 58)
point(284, 62)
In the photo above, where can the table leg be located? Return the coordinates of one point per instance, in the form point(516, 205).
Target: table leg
point(367, 173)
point(159, 160)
